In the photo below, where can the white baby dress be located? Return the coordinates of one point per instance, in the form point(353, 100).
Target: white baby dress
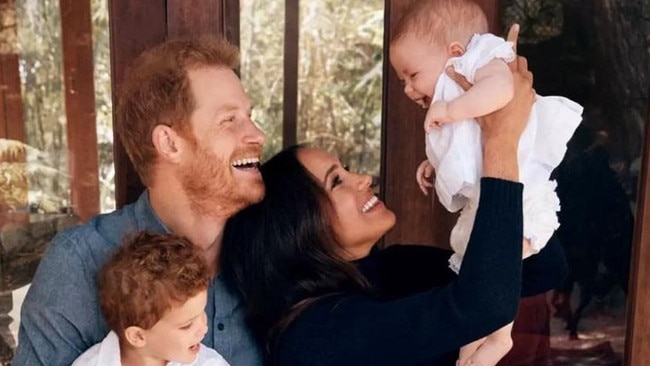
point(455, 152)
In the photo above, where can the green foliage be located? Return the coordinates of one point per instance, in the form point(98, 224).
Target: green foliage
point(339, 76)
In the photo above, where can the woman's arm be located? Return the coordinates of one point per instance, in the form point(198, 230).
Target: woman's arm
point(545, 270)
point(359, 330)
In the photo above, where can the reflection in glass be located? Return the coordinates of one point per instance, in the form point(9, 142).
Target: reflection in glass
point(596, 54)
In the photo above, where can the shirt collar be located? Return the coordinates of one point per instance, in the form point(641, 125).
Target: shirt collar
point(145, 217)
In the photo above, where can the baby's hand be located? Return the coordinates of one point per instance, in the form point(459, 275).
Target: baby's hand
point(527, 249)
point(423, 176)
point(437, 115)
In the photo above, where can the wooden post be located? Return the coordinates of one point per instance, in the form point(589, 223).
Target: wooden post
point(134, 26)
point(637, 345)
point(83, 161)
point(12, 124)
point(290, 103)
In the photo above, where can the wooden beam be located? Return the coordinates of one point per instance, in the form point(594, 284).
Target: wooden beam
point(194, 17)
point(231, 15)
point(637, 345)
point(134, 26)
point(12, 124)
point(290, 102)
point(78, 77)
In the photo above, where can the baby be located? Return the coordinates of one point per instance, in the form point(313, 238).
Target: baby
point(153, 293)
point(431, 36)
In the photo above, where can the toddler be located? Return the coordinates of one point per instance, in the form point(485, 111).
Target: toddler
point(431, 36)
point(153, 293)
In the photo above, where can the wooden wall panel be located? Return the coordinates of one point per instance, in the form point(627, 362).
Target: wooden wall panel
point(194, 17)
point(637, 346)
point(83, 164)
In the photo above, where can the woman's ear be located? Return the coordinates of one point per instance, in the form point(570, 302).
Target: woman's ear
point(455, 49)
point(135, 336)
point(166, 142)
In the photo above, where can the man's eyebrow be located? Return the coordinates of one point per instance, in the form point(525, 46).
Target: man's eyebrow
point(227, 107)
point(329, 171)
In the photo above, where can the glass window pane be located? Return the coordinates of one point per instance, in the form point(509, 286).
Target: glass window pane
point(104, 104)
point(262, 58)
point(340, 79)
point(597, 56)
point(35, 184)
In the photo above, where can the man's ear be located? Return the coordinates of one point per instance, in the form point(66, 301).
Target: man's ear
point(167, 142)
point(135, 336)
point(455, 49)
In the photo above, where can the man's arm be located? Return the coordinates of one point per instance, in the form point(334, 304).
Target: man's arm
point(60, 317)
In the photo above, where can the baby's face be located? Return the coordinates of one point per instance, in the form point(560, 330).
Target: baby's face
point(418, 64)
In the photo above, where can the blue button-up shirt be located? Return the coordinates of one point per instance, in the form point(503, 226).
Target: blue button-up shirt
point(61, 316)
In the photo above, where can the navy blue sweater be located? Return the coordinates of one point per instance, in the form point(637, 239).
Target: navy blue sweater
point(421, 312)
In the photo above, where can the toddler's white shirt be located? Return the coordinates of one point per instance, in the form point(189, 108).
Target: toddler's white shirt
point(107, 353)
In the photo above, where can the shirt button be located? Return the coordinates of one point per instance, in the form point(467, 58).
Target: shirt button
point(220, 326)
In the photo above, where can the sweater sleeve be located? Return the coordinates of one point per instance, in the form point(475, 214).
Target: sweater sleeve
point(544, 270)
point(417, 329)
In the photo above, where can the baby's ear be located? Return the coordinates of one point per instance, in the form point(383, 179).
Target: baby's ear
point(135, 336)
point(455, 49)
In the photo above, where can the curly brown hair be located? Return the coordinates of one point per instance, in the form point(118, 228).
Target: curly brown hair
point(148, 275)
point(441, 21)
point(156, 91)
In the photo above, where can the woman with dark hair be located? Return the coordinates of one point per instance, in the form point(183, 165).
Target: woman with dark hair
point(319, 292)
